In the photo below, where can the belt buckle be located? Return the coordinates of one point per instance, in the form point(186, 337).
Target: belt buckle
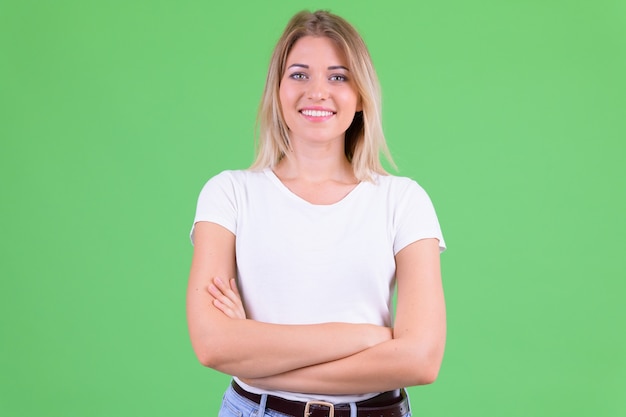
point(331, 408)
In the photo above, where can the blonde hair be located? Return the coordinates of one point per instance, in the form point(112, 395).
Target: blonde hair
point(364, 138)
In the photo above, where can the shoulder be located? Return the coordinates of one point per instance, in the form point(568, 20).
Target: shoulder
point(397, 186)
point(235, 178)
point(393, 180)
point(402, 194)
point(414, 216)
point(236, 175)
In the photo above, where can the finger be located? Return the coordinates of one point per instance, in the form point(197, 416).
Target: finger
point(227, 289)
point(221, 288)
point(233, 286)
point(214, 291)
point(224, 309)
point(220, 284)
point(235, 290)
point(218, 295)
point(231, 312)
point(228, 294)
point(238, 300)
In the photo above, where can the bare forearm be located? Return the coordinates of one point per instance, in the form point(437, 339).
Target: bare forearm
point(248, 348)
point(387, 366)
point(251, 349)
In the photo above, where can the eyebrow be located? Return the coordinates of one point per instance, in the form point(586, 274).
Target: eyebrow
point(332, 67)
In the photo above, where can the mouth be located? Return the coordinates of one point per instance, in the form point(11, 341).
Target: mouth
point(319, 114)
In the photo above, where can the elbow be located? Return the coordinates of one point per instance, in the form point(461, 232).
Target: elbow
point(207, 359)
point(219, 359)
point(421, 374)
point(205, 356)
point(424, 369)
point(428, 375)
point(227, 365)
point(215, 361)
point(208, 354)
point(212, 350)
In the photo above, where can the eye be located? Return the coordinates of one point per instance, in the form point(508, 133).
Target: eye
point(298, 76)
point(338, 77)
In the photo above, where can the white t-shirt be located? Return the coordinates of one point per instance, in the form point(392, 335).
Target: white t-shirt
point(301, 263)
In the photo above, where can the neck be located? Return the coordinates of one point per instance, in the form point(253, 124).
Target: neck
point(316, 167)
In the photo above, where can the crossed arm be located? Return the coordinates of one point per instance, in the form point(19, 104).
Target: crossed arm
point(327, 358)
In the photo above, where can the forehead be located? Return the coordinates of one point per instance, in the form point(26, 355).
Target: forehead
point(316, 49)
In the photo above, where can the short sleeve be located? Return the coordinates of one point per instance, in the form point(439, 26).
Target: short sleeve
point(415, 218)
point(217, 203)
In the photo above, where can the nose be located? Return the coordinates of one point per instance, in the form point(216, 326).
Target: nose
point(317, 89)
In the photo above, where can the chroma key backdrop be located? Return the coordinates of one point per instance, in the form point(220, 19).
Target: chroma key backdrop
point(113, 114)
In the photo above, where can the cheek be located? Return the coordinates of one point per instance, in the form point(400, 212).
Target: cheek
point(286, 104)
point(351, 100)
point(287, 93)
point(285, 98)
point(281, 96)
point(282, 99)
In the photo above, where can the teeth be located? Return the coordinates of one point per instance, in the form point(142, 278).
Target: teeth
point(317, 113)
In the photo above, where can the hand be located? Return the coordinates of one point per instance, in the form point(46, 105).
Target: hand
point(227, 298)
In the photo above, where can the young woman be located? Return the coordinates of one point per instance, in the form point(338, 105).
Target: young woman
point(296, 259)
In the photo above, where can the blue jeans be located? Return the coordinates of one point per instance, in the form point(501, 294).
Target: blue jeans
point(234, 405)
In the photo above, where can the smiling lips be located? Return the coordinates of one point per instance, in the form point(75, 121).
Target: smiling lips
point(317, 114)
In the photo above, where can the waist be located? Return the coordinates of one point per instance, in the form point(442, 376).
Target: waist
point(386, 404)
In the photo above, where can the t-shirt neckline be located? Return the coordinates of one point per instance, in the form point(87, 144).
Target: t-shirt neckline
point(274, 178)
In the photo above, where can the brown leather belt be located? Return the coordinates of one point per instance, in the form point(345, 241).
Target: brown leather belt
point(387, 404)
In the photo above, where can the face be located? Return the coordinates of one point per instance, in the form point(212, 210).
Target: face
point(317, 95)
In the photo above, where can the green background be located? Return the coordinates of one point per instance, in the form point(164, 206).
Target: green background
point(113, 114)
